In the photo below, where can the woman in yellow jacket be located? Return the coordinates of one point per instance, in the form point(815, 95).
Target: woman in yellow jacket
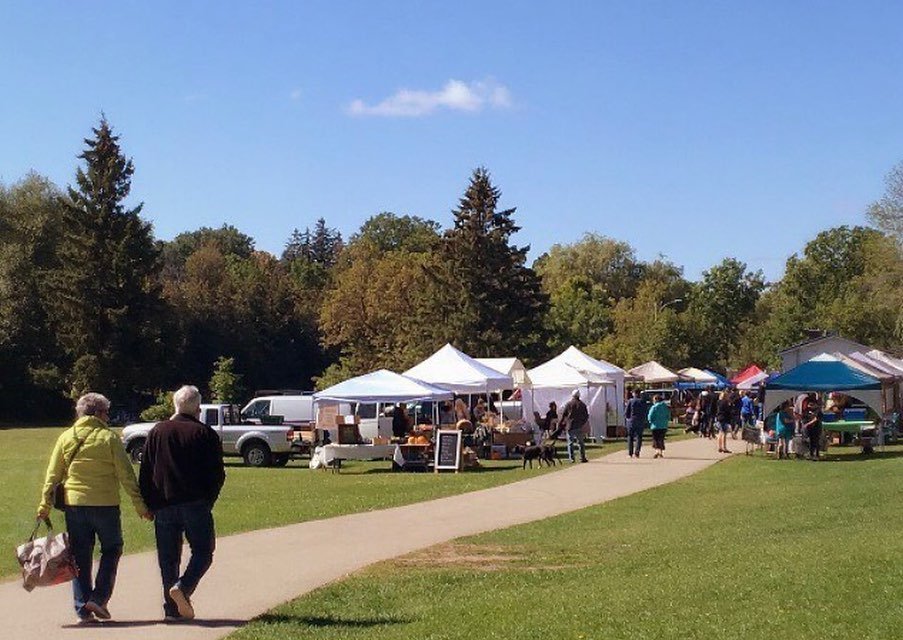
point(92, 464)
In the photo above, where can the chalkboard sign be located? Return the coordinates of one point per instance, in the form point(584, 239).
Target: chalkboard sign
point(448, 450)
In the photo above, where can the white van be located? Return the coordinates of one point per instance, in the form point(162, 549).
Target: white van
point(297, 410)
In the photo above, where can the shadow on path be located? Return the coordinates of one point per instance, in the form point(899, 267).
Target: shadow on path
point(211, 623)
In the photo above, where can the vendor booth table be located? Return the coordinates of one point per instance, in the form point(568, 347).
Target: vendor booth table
point(331, 454)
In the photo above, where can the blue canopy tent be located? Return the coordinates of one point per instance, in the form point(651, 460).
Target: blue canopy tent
point(823, 373)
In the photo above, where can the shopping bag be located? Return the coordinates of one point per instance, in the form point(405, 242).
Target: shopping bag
point(46, 561)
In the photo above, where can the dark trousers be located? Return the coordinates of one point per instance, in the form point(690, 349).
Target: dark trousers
point(814, 434)
point(84, 524)
point(634, 440)
point(194, 520)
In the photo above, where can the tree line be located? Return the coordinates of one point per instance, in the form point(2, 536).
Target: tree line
point(90, 299)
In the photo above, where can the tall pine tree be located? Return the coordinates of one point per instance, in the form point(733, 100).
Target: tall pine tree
point(494, 301)
point(106, 293)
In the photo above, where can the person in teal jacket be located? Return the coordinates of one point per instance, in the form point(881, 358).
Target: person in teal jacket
point(659, 416)
point(784, 427)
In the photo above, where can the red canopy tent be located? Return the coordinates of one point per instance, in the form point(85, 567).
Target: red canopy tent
point(748, 372)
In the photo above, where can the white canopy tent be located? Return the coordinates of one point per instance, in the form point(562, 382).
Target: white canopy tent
point(885, 372)
point(457, 372)
point(382, 386)
point(653, 373)
point(377, 387)
point(556, 381)
point(510, 366)
point(603, 383)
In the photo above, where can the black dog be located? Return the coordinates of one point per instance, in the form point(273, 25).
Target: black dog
point(531, 453)
point(541, 453)
point(549, 454)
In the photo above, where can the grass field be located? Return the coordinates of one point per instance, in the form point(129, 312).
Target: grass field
point(251, 498)
point(750, 548)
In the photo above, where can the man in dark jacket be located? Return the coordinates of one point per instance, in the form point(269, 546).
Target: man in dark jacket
point(635, 414)
point(575, 416)
point(180, 479)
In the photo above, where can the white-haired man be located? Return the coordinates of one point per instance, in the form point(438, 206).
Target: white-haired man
point(181, 477)
point(91, 463)
point(575, 416)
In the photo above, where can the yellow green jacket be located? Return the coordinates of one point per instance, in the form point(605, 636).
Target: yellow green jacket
point(99, 468)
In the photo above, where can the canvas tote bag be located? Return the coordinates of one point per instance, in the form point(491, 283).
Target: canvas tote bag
point(46, 561)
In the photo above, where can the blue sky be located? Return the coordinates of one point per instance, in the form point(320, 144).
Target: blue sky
point(697, 130)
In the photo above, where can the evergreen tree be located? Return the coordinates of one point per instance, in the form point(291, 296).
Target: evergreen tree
point(106, 293)
point(225, 383)
point(298, 246)
point(493, 300)
point(325, 244)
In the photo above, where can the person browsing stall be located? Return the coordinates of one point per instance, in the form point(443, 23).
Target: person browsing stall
point(574, 416)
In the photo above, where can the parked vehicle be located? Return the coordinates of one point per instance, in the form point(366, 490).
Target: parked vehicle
point(259, 445)
point(295, 410)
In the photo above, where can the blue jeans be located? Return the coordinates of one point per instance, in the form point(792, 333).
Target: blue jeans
point(576, 438)
point(84, 524)
point(634, 440)
point(194, 520)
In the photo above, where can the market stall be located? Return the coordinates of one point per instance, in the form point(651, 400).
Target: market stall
point(653, 373)
point(555, 380)
point(823, 373)
point(381, 386)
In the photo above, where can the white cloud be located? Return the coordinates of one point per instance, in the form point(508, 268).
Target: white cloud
point(295, 94)
point(454, 96)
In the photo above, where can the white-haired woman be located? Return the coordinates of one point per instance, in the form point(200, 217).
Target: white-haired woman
point(92, 464)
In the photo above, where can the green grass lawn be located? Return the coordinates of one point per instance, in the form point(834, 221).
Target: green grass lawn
point(750, 548)
point(251, 498)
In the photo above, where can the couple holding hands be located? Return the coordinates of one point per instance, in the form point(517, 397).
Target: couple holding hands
point(179, 480)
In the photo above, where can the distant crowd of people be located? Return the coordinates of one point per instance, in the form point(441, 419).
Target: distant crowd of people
point(715, 415)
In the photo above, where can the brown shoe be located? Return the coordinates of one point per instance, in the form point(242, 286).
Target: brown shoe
point(186, 611)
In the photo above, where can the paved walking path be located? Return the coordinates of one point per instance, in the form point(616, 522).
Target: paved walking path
point(253, 572)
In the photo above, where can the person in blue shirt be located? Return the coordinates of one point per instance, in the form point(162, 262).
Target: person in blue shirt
point(747, 410)
point(635, 414)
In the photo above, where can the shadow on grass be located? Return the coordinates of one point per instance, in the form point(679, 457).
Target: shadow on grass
point(329, 621)
point(862, 457)
point(299, 464)
point(480, 469)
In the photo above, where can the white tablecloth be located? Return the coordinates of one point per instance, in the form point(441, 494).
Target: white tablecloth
point(325, 455)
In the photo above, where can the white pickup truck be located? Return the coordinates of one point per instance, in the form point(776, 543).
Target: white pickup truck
point(259, 445)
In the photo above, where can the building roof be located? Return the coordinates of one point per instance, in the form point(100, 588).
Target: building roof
point(816, 340)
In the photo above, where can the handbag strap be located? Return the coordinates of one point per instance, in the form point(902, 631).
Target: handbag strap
point(37, 525)
point(77, 449)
